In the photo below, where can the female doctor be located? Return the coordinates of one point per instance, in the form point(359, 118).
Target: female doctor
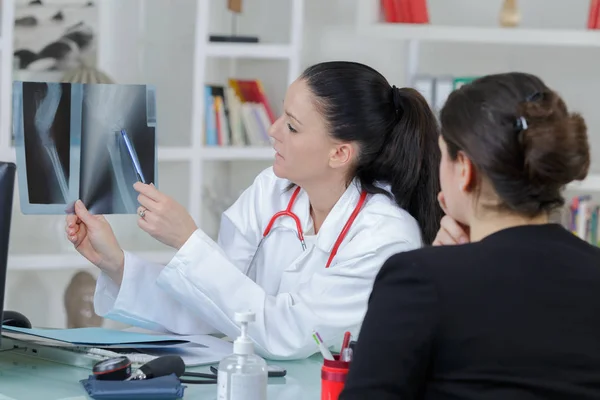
point(354, 181)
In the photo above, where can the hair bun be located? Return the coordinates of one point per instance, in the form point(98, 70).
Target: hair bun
point(554, 142)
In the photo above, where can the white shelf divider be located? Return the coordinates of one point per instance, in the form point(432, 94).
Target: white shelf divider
point(249, 50)
point(483, 35)
point(237, 153)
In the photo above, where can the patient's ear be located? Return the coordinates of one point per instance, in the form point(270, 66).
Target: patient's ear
point(467, 172)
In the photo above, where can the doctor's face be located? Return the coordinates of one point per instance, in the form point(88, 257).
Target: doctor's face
point(300, 138)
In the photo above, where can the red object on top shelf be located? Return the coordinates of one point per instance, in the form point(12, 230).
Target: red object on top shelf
point(405, 11)
point(594, 15)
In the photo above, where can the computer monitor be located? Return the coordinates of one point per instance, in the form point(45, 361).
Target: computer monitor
point(7, 185)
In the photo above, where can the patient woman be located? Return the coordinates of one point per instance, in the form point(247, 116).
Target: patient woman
point(515, 313)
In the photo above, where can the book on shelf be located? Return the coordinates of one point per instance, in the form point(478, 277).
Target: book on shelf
point(405, 11)
point(581, 218)
point(237, 114)
point(594, 15)
point(436, 89)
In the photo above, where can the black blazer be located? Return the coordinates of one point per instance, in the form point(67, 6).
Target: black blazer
point(514, 316)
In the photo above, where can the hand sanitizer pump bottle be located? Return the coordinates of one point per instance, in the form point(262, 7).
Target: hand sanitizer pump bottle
point(242, 375)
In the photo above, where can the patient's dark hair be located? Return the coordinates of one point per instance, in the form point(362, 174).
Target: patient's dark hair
point(395, 130)
point(520, 136)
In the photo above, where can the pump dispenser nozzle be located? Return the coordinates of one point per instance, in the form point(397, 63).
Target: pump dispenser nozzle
point(243, 345)
point(243, 375)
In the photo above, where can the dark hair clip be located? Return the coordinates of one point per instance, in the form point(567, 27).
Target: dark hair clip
point(397, 99)
point(521, 124)
point(535, 96)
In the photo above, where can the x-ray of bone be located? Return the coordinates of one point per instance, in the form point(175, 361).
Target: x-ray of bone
point(83, 141)
point(41, 121)
point(107, 171)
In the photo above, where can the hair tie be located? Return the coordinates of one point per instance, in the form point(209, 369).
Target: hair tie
point(521, 122)
point(397, 99)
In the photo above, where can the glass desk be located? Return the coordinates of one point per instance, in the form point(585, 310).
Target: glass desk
point(27, 378)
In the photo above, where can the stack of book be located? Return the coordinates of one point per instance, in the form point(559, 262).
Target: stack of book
point(238, 114)
point(581, 218)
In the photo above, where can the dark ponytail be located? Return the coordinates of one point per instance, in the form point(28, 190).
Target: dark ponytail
point(396, 130)
point(410, 161)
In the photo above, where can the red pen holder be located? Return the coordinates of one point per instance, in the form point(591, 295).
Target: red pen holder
point(333, 378)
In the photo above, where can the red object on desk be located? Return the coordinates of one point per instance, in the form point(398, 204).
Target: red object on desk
point(345, 342)
point(333, 378)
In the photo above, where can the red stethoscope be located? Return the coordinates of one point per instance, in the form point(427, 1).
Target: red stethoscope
point(289, 213)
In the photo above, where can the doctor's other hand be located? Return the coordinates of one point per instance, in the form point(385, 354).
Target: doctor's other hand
point(451, 232)
point(94, 239)
point(162, 217)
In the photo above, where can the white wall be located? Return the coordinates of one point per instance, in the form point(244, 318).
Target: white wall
point(329, 34)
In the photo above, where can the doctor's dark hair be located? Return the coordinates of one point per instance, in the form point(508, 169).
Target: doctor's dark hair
point(520, 136)
point(395, 130)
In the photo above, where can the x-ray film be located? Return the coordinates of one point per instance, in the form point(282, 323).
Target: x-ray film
point(83, 141)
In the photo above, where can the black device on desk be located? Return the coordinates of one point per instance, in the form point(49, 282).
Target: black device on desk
point(273, 371)
point(7, 187)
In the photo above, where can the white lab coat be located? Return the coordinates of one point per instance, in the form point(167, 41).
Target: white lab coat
point(292, 292)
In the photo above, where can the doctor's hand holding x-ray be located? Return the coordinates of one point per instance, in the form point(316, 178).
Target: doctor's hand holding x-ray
point(354, 181)
point(164, 219)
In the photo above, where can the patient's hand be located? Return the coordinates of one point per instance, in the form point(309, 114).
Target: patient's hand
point(451, 231)
point(94, 239)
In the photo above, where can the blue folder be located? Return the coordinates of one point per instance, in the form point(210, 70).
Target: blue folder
point(99, 336)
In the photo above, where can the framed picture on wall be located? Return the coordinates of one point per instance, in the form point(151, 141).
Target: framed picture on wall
point(54, 35)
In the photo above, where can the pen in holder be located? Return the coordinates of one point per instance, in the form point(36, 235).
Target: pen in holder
point(333, 377)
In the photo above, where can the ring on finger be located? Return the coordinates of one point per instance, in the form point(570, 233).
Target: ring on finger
point(142, 212)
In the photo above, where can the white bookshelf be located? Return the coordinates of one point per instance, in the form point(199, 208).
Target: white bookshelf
point(205, 50)
point(369, 23)
point(237, 153)
point(123, 30)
